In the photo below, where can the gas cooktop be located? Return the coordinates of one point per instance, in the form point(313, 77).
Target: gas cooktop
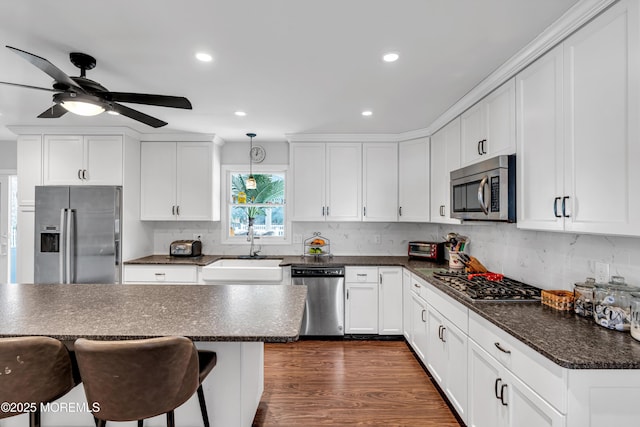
point(488, 287)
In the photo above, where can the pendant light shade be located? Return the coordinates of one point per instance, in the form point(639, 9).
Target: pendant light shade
point(251, 183)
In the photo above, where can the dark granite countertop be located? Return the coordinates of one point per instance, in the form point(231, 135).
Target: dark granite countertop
point(200, 312)
point(174, 260)
point(565, 338)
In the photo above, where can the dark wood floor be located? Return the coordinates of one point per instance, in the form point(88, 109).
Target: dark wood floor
point(348, 383)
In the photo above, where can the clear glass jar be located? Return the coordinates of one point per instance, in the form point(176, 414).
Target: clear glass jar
point(612, 304)
point(583, 296)
point(635, 315)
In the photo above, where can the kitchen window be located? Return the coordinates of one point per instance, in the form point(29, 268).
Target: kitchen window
point(265, 204)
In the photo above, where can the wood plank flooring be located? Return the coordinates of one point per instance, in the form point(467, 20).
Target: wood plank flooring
point(348, 383)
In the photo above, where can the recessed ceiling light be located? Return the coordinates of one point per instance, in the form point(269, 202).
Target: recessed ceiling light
point(367, 113)
point(240, 113)
point(391, 57)
point(204, 57)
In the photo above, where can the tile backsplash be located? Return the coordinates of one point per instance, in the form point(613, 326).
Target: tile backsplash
point(544, 259)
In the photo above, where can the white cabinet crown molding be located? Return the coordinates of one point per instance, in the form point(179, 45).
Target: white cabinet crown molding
point(186, 137)
point(75, 130)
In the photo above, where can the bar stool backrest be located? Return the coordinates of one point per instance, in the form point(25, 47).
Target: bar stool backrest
point(33, 370)
point(137, 379)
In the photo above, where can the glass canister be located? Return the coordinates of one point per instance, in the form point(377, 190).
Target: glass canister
point(612, 304)
point(583, 296)
point(635, 315)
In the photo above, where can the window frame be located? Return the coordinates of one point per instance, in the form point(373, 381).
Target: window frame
point(225, 175)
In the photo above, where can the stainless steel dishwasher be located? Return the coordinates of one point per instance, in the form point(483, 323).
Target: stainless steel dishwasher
point(324, 311)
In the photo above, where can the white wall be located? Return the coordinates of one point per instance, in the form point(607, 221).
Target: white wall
point(8, 155)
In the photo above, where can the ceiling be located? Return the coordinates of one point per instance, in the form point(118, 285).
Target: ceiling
point(294, 66)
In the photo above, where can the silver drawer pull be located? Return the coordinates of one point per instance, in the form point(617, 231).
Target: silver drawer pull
point(361, 274)
point(415, 285)
point(497, 344)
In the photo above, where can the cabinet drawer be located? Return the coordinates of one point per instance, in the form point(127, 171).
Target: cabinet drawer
point(361, 274)
point(455, 312)
point(418, 286)
point(542, 375)
point(160, 274)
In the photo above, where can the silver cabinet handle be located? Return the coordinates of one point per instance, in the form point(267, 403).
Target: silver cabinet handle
point(84, 174)
point(79, 173)
point(564, 207)
point(327, 210)
point(482, 145)
point(422, 315)
point(441, 210)
point(555, 207)
point(347, 293)
point(495, 387)
point(415, 285)
point(443, 331)
point(381, 278)
point(400, 211)
point(499, 347)
point(178, 210)
point(484, 206)
point(364, 211)
point(479, 151)
point(173, 210)
point(502, 395)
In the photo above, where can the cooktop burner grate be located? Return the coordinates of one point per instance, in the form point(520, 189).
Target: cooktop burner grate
point(480, 288)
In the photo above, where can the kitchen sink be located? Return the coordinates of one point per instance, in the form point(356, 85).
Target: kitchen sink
point(257, 270)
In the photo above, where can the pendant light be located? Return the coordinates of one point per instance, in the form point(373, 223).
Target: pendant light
point(251, 181)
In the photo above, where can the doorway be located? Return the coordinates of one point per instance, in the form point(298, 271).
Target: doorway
point(8, 222)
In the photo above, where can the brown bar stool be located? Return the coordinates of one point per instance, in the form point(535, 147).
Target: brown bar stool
point(33, 370)
point(139, 379)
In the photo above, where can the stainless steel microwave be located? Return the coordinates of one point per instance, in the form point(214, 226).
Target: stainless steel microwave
point(485, 191)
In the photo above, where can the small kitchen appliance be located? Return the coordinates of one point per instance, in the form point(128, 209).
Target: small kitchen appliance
point(432, 251)
point(186, 248)
point(485, 191)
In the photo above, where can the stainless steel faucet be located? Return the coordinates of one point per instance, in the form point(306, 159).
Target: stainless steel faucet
point(250, 238)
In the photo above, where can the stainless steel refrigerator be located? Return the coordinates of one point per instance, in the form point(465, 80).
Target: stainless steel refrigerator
point(77, 234)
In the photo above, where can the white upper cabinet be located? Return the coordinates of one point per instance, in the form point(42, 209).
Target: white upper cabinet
point(602, 126)
point(76, 159)
point(578, 130)
point(488, 128)
point(413, 180)
point(177, 181)
point(326, 181)
point(445, 157)
point(380, 182)
point(540, 162)
point(29, 162)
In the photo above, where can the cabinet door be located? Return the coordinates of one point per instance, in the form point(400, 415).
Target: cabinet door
point(602, 93)
point(103, 160)
point(471, 133)
point(406, 303)
point(380, 182)
point(25, 244)
point(308, 182)
point(343, 182)
point(157, 180)
point(413, 181)
point(63, 159)
point(390, 301)
point(419, 326)
point(540, 161)
point(456, 385)
point(485, 383)
point(194, 184)
point(436, 346)
point(361, 308)
point(445, 157)
point(500, 125)
point(29, 165)
point(526, 408)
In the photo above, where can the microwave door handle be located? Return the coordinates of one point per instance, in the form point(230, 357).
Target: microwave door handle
point(483, 206)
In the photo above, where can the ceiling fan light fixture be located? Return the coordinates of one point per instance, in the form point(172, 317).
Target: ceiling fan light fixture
point(82, 108)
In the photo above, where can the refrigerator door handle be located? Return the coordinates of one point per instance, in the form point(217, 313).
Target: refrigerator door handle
point(69, 249)
point(63, 248)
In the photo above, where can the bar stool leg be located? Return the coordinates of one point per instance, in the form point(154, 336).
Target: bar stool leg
point(140, 423)
point(203, 407)
point(171, 421)
point(34, 418)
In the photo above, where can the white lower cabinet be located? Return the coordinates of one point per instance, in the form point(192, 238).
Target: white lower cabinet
point(390, 301)
point(498, 398)
point(419, 332)
point(361, 300)
point(447, 358)
point(157, 274)
point(406, 304)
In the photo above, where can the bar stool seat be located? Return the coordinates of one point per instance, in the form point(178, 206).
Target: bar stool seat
point(34, 370)
point(138, 379)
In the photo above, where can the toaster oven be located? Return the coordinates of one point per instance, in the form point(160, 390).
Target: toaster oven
point(185, 248)
point(433, 251)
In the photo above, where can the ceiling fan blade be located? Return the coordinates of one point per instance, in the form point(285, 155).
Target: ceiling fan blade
point(57, 74)
point(137, 115)
point(31, 87)
point(144, 98)
point(53, 112)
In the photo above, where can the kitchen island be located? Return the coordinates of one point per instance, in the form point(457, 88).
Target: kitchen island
point(233, 321)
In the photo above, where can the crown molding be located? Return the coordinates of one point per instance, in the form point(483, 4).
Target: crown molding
point(341, 137)
point(184, 137)
point(74, 130)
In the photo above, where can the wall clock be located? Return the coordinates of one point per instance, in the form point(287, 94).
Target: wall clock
point(257, 154)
